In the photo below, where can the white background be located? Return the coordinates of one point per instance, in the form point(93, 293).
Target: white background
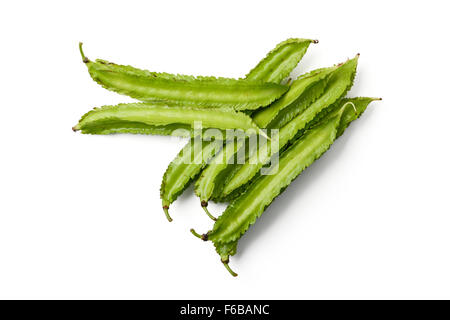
point(80, 215)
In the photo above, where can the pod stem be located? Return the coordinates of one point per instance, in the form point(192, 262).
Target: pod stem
point(234, 274)
point(85, 59)
point(209, 214)
point(166, 211)
point(195, 233)
point(204, 237)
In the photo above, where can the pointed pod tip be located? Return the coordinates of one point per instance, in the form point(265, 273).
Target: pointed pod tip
point(75, 129)
point(208, 213)
point(315, 41)
point(356, 58)
point(166, 212)
point(234, 274)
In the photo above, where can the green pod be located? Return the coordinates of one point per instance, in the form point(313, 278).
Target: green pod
point(244, 211)
point(184, 169)
point(279, 62)
point(205, 184)
point(339, 83)
point(274, 68)
point(176, 129)
point(161, 114)
point(181, 89)
point(302, 92)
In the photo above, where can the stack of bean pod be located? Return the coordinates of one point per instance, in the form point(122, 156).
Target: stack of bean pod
point(296, 121)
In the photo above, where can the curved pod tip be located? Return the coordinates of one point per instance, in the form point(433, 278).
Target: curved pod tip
point(166, 212)
point(80, 46)
point(209, 214)
point(225, 264)
point(204, 237)
point(204, 205)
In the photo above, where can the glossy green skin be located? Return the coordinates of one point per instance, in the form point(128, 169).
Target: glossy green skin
point(279, 62)
point(161, 114)
point(296, 98)
point(175, 129)
point(311, 85)
point(244, 211)
point(184, 169)
point(340, 81)
point(204, 186)
point(274, 68)
point(184, 90)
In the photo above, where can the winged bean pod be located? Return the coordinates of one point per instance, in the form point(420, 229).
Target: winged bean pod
point(184, 169)
point(244, 211)
point(204, 186)
point(181, 89)
point(340, 82)
point(300, 95)
point(161, 114)
point(273, 68)
point(302, 92)
point(280, 61)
